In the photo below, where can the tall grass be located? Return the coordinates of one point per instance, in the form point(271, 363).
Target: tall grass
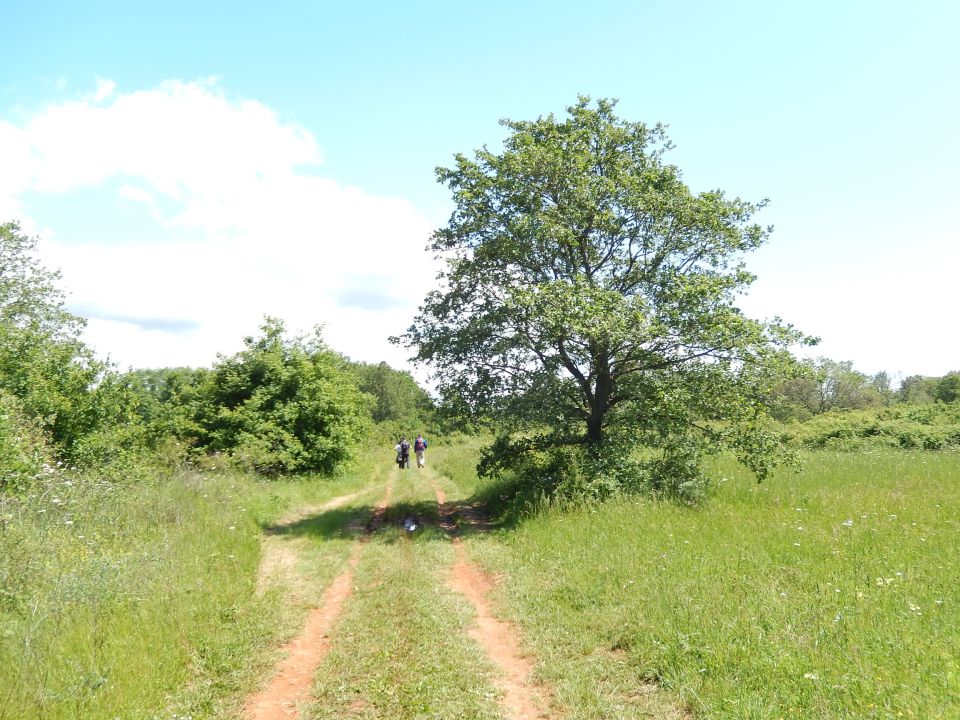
point(832, 593)
point(137, 599)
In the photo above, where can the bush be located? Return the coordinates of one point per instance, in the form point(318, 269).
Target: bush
point(284, 405)
point(24, 450)
point(565, 472)
point(930, 427)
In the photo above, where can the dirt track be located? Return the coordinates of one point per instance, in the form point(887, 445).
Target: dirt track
point(290, 685)
point(521, 696)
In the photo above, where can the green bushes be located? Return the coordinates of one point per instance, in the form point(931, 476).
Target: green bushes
point(24, 452)
point(283, 405)
point(926, 427)
point(579, 472)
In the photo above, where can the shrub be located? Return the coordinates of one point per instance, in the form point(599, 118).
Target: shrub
point(576, 472)
point(24, 450)
point(284, 405)
point(930, 427)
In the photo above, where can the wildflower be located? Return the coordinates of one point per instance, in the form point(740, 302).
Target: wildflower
point(796, 544)
point(811, 676)
point(68, 522)
point(848, 523)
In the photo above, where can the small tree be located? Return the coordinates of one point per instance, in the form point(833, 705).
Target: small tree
point(827, 385)
point(917, 390)
point(589, 294)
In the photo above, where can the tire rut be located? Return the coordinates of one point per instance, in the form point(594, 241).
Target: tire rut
point(291, 682)
point(522, 699)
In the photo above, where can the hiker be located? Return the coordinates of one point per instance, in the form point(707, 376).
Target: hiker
point(419, 447)
point(403, 453)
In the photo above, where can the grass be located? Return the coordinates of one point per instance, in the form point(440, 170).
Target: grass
point(401, 650)
point(139, 600)
point(831, 593)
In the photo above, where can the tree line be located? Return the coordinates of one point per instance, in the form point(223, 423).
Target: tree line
point(282, 404)
point(829, 385)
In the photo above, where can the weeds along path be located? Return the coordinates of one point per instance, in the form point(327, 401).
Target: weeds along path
point(281, 698)
point(522, 699)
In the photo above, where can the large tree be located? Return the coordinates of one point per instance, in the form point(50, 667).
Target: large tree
point(589, 294)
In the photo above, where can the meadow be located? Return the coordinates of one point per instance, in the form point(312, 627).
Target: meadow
point(138, 598)
point(828, 593)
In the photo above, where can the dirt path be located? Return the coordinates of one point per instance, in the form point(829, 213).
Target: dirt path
point(290, 686)
point(522, 700)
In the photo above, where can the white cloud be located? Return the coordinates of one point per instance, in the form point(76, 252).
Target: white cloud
point(246, 231)
point(105, 89)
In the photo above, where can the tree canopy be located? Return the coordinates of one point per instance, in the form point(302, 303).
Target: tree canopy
point(589, 294)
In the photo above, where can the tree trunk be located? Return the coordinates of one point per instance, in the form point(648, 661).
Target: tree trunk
point(599, 406)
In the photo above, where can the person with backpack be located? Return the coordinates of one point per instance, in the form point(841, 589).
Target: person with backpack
point(403, 453)
point(420, 447)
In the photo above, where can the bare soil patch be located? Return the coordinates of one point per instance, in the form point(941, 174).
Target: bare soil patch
point(290, 685)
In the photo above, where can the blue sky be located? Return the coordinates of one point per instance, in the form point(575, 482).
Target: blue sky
point(192, 166)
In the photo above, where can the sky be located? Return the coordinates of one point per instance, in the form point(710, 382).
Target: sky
point(192, 167)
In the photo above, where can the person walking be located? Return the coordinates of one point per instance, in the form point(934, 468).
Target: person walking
point(420, 447)
point(403, 453)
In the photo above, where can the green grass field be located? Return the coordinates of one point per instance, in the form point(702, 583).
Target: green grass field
point(139, 600)
point(831, 593)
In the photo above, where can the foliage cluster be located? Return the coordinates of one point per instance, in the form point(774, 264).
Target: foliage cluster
point(400, 406)
point(933, 426)
point(574, 472)
point(48, 378)
point(823, 385)
point(283, 405)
